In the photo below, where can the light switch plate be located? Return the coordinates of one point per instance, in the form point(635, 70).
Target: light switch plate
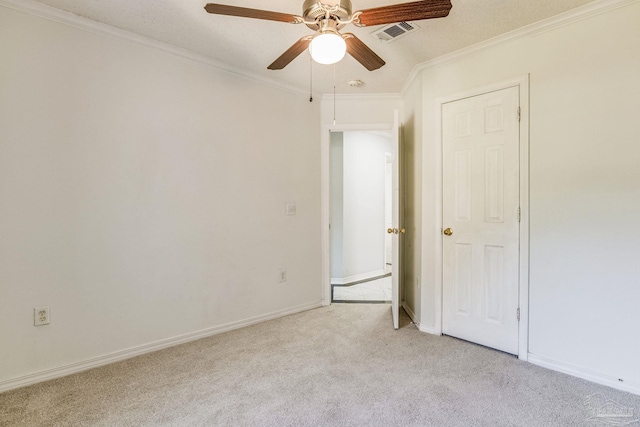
point(282, 275)
point(291, 208)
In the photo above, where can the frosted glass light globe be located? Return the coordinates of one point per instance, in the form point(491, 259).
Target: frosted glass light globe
point(327, 48)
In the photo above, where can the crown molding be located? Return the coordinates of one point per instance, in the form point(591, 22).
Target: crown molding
point(574, 15)
point(52, 14)
point(66, 18)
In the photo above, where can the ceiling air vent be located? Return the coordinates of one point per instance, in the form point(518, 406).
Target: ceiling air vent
point(392, 32)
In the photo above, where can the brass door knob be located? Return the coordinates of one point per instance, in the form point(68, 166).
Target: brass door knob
point(395, 230)
point(448, 232)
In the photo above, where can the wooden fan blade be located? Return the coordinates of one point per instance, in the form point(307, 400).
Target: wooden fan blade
point(222, 9)
point(362, 53)
point(291, 53)
point(413, 11)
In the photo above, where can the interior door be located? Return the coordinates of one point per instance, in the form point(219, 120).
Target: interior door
point(397, 231)
point(480, 219)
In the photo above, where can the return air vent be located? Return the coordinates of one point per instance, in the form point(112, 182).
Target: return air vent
point(392, 32)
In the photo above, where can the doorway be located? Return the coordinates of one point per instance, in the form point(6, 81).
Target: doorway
point(361, 202)
point(397, 212)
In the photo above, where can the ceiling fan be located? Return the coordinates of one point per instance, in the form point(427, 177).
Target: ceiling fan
point(327, 17)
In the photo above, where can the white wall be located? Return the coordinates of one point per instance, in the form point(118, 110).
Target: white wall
point(143, 197)
point(584, 191)
point(355, 112)
point(363, 197)
point(337, 173)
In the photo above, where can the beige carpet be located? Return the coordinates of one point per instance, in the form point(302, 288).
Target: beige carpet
point(341, 365)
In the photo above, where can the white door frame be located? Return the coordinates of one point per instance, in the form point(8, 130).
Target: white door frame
point(325, 186)
point(522, 82)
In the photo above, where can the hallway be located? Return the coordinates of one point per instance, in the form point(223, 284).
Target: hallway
point(372, 291)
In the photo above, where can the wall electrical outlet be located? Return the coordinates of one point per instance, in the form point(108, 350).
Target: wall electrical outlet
point(282, 275)
point(41, 316)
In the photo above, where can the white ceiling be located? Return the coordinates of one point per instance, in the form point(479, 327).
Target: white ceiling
point(252, 44)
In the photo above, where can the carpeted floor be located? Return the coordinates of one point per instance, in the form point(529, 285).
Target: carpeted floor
point(341, 365)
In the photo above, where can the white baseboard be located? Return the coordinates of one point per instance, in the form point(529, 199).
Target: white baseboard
point(428, 329)
point(410, 312)
point(585, 373)
point(145, 348)
point(357, 277)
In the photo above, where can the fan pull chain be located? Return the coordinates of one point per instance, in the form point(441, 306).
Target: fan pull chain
point(310, 79)
point(334, 94)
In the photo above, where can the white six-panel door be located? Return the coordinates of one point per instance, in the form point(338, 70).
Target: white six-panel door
point(480, 219)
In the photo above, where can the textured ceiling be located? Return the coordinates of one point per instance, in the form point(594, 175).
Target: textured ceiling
point(252, 44)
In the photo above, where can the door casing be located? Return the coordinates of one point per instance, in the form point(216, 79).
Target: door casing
point(522, 82)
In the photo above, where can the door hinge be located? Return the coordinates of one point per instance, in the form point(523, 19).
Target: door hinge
point(518, 314)
point(519, 214)
point(519, 114)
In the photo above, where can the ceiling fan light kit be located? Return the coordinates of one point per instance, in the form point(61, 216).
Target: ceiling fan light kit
point(328, 46)
point(327, 17)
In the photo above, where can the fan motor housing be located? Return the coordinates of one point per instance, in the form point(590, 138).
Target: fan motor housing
point(313, 9)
